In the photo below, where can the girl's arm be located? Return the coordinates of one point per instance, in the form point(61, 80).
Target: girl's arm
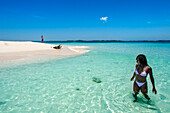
point(152, 80)
point(134, 74)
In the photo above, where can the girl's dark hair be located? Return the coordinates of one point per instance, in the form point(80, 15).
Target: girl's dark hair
point(143, 62)
point(142, 59)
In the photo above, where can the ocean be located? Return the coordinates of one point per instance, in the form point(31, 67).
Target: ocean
point(68, 85)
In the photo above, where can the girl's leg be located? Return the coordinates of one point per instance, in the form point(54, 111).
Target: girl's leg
point(144, 90)
point(136, 89)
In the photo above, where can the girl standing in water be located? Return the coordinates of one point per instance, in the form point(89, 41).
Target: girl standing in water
point(140, 74)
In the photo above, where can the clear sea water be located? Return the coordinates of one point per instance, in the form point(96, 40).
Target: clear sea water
point(66, 85)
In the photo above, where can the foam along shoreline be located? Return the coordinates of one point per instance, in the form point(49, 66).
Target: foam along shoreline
point(16, 50)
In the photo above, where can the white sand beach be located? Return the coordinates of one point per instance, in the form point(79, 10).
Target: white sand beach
point(15, 50)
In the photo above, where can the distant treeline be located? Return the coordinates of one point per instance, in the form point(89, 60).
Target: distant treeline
point(105, 41)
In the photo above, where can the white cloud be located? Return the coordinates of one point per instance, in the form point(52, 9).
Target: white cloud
point(104, 19)
point(148, 22)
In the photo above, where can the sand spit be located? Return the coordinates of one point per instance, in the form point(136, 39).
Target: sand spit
point(15, 50)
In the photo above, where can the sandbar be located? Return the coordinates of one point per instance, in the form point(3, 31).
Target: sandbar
point(16, 50)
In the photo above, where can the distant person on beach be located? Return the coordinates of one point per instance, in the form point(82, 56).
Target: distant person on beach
point(42, 38)
point(140, 74)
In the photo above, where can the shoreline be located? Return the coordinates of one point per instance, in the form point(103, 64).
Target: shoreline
point(17, 50)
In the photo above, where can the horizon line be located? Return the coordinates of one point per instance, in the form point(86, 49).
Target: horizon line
point(93, 40)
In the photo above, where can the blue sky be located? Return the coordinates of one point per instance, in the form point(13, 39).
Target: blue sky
point(85, 19)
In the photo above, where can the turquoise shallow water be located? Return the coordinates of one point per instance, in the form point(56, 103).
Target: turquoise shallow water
point(65, 85)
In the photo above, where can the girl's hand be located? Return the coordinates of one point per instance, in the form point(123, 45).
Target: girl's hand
point(154, 91)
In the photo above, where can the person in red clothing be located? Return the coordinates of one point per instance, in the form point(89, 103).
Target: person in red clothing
point(42, 38)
